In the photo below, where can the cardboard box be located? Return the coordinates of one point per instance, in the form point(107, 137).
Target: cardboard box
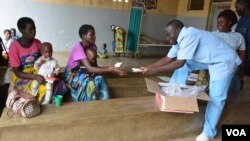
point(174, 103)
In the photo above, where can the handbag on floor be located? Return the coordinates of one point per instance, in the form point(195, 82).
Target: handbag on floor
point(22, 103)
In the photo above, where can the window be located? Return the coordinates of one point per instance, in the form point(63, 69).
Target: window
point(222, 0)
point(196, 5)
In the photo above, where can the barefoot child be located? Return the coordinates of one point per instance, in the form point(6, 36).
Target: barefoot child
point(48, 68)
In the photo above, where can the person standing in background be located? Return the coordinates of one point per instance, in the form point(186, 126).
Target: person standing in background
point(7, 40)
point(243, 10)
point(13, 34)
point(3, 61)
point(225, 21)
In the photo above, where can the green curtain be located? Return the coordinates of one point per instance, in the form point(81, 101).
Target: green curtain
point(134, 29)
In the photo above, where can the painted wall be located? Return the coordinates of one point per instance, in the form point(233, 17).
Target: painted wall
point(59, 23)
point(198, 22)
point(195, 18)
point(168, 7)
point(233, 4)
point(183, 9)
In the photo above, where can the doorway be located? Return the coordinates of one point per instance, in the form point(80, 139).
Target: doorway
point(216, 8)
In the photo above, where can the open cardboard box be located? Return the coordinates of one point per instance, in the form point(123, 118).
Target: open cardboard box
point(172, 103)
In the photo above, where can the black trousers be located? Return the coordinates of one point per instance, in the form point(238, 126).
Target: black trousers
point(3, 95)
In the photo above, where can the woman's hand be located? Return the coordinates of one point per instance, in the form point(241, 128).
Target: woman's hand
point(5, 55)
point(39, 78)
point(117, 71)
point(143, 69)
point(51, 75)
point(55, 72)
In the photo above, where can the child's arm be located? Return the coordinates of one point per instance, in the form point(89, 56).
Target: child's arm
point(39, 63)
point(56, 70)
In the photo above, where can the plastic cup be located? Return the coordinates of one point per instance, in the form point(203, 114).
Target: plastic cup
point(58, 100)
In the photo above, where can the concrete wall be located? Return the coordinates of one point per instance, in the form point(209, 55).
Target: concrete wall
point(197, 18)
point(59, 23)
point(198, 22)
point(168, 7)
point(233, 4)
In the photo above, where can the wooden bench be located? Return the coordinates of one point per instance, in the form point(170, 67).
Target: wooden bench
point(133, 118)
point(120, 119)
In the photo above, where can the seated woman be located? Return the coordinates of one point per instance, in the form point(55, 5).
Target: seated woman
point(23, 54)
point(76, 76)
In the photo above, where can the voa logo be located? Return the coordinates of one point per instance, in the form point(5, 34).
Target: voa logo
point(236, 132)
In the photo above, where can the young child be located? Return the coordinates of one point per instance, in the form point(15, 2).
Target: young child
point(104, 49)
point(103, 53)
point(48, 68)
